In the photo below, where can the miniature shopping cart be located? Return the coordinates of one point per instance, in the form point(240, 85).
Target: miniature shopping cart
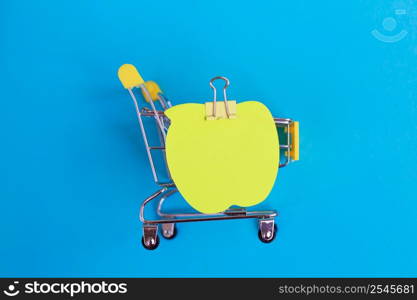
point(152, 108)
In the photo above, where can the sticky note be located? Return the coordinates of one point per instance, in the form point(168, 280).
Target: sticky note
point(219, 163)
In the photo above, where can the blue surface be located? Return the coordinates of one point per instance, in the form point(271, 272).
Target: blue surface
point(73, 166)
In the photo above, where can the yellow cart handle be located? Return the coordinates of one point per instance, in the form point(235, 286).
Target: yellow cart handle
point(295, 141)
point(153, 89)
point(129, 76)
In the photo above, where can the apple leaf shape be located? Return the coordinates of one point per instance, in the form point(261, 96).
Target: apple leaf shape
point(219, 163)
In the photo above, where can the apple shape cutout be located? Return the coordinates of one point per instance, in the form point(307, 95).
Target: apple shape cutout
point(222, 162)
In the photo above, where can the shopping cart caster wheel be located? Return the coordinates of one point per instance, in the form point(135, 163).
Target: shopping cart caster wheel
point(267, 230)
point(150, 244)
point(169, 230)
point(150, 238)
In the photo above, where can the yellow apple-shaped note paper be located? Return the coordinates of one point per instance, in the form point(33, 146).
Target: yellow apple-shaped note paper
point(222, 162)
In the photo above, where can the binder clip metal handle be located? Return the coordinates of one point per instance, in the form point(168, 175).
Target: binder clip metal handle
point(217, 112)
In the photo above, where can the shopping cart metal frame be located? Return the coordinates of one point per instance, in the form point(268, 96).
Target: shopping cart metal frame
point(150, 237)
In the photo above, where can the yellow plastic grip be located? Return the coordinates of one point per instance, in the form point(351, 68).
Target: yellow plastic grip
point(153, 89)
point(295, 141)
point(129, 76)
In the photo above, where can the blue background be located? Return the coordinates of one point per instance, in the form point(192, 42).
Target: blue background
point(73, 166)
